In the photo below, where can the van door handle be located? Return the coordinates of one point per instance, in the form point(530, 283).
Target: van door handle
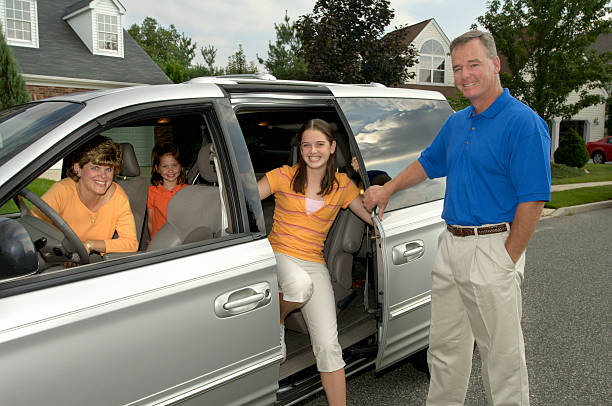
point(243, 300)
point(411, 251)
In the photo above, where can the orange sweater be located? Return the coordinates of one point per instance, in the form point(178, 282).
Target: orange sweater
point(114, 215)
point(296, 233)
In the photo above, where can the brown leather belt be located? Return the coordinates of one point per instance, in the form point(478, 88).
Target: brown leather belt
point(468, 231)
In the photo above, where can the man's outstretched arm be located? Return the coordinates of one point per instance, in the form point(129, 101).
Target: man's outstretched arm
point(380, 195)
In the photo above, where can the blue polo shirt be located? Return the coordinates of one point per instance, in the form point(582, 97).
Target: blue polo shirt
point(492, 162)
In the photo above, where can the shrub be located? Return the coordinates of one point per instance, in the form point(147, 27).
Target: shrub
point(12, 86)
point(572, 150)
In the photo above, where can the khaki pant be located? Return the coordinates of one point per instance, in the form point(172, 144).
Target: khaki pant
point(476, 294)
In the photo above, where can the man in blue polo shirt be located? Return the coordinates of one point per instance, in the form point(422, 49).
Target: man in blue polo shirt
point(495, 155)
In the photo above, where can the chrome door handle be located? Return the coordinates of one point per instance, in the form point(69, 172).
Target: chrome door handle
point(411, 251)
point(243, 300)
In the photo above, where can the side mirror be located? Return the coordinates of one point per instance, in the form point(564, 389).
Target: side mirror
point(17, 253)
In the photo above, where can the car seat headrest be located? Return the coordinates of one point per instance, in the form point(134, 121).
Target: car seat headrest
point(129, 165)
point(206, 163)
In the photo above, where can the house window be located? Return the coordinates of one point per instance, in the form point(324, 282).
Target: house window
point(18, 20)
point(108, 39)
point(431, 62)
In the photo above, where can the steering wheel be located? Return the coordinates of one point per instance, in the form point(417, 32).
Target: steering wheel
point(56, 219)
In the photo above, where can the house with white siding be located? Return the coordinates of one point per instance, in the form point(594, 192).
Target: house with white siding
point(434, 72)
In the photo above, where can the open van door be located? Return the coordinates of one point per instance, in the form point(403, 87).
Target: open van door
point(406, 244)
point(391, 128)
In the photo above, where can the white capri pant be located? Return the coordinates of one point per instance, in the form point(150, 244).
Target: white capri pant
point(306, 281)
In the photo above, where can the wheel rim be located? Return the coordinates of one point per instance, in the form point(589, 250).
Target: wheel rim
point(598, 158)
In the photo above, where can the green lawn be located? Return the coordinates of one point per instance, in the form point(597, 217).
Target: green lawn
point(562, 174)
point(39, 186)
point(574, 197)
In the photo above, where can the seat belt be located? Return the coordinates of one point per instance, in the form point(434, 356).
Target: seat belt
point(224, 222)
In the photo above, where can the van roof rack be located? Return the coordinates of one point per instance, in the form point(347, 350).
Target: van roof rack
point(256, 75)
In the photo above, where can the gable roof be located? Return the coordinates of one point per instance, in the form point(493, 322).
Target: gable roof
point(409, 33)
point(77, 6)
point(84, 5)
point(61, 52)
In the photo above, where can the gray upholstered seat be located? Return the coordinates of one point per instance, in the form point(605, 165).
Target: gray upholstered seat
point(194, 213)
point(135, 186)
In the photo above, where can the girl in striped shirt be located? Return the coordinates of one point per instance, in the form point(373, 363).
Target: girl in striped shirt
point(308, 196)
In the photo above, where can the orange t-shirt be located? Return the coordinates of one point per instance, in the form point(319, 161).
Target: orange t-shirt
point(296, 233)
point(115, 215)
point(157, 200)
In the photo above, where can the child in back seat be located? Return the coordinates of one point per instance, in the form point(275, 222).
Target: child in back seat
point(167, 177)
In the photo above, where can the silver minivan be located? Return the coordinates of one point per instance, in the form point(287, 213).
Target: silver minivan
point(193, 316)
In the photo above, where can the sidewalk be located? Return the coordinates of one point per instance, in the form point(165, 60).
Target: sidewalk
point(558, 188)
point(564, 211)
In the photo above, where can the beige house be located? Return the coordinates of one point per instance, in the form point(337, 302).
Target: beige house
point(434, 70)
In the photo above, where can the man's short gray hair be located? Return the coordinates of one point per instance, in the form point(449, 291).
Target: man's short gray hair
point(484, 37)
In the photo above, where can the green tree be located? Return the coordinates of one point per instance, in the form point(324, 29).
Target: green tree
point(284, 61)
point(209, 54)
point(12, 86)
point(342, 41)
point(237, 63)
point(572, 150)
point(459, 102)
point(171, 51)
point(547, 46)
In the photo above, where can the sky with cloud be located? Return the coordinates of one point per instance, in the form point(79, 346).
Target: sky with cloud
point(227, 23)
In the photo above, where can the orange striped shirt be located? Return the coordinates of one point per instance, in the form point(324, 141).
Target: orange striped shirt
point(296, 233)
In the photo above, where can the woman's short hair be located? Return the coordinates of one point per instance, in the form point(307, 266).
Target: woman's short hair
point(100, 150)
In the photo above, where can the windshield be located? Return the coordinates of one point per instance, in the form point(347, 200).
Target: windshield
point(21, 125)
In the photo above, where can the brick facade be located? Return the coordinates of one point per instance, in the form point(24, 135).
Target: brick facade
point(43, 92)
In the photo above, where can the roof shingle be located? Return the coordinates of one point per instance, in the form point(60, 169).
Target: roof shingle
point(61, 52)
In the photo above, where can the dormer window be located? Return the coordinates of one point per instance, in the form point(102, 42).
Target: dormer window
point(20, 22)
point(108, 38)
point(98, 25)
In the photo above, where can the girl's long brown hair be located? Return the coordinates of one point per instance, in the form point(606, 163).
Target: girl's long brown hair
point(299, 181)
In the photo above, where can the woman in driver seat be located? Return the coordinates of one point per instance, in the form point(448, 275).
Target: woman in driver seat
point(89, 200)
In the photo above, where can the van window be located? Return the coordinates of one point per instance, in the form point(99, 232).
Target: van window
point(392, 133)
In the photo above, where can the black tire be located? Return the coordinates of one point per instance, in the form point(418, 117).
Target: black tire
point(599, 158)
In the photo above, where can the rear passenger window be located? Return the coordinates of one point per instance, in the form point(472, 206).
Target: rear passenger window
point(392, 133)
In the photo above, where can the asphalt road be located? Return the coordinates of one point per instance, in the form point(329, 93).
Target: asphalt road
point(566, 323)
